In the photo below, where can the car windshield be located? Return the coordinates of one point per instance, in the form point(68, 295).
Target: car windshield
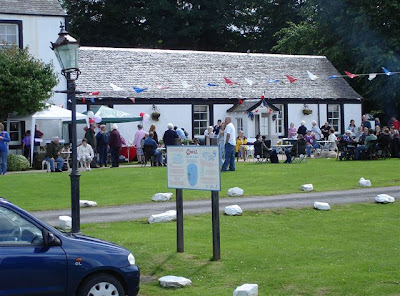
point(15, 229)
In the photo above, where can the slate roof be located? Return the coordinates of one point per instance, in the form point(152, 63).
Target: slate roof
point(147, 68)
point(32, 7)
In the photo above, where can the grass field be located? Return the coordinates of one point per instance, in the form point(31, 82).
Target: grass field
point(128, 185)
point(350, 250)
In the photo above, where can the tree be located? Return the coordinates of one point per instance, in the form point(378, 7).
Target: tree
point(359, 35)
point(235, 25)
point(25, 82)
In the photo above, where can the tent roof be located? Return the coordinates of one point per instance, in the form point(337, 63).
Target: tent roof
point(109, 115)
point(55, 112)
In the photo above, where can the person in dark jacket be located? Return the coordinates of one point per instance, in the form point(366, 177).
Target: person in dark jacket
point(170, 135)
point(299, 147)
point(53, 152)
point(90, 136)
point(154, 148)
point(302, 128)
point(115, 145)
point(102, 139)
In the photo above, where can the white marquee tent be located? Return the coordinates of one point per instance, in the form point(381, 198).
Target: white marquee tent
point(53, 112)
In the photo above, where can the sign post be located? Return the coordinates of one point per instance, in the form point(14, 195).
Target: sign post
point(195, 168)
point(179, 221)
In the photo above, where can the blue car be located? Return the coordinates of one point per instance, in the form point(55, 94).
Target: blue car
point(37, 259)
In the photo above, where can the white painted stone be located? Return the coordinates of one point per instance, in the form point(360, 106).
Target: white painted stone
point(324, 206)
point(235, 191)
point(307, 187)
point(233, 210)
point(162, 196)
point(163, 217)
point(87, 203)
point(246, 290)
point(171, 281)
point(65, 222)
point(364, 183)
point(384, 198)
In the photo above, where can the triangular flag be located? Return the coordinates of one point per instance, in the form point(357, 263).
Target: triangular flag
point(133, 100)
point(138, 89)
point(273, 80)
point(93, 93)
point(185, 84)
point(387, 72)
point(311, 76)
point(212, 84)
point(116, 87)
point(291, 79)
point(250, 82)
point(162, 87)
point(230, 82)
point(371, 76)
point(333, 77)
point(92, 100)
point(83, 100)
point(350, 75)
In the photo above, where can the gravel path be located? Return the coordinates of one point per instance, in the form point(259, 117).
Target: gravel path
point(297, 200)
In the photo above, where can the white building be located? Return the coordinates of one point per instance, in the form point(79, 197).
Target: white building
point(33, 23)
point(188, 88)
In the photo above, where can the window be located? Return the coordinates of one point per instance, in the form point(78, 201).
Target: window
point(15, 230)
point(200, 119)
point(239, 125)
point(9, 34)
point(279, 127)
point(334, 117)
point(14, 131)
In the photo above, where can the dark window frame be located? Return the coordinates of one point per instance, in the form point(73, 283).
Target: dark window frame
point(20, 30)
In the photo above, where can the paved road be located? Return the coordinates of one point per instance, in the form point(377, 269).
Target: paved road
point(140, 211)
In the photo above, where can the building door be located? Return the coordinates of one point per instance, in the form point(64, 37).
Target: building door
point(264, 124)
point(257, 124)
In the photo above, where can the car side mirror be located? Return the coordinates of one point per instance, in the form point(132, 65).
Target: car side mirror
point(49, 239)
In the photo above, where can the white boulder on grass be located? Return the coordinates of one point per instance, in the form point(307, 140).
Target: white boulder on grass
point(235, 191)
point(65, 222)
point(307, 187)
point(246, 290)
point(324, 206)
point(162, 196)
point(171, 281)
point(384, 198)
point(364, 183)
point(233, 210)
point(87, 203)
point(163, 217)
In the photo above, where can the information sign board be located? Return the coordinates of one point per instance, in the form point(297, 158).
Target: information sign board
point(193, 167)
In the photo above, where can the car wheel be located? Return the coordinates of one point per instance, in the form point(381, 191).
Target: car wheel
point(101, 285)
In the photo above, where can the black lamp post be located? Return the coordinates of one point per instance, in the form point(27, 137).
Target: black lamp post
point(66, 49)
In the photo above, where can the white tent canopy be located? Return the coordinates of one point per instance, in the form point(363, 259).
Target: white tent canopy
point(52, 112)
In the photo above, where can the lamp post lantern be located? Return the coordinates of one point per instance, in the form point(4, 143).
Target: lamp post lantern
point(66, 49)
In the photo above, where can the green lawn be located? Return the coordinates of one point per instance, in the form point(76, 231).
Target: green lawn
point(128, 185)
point(350, 250)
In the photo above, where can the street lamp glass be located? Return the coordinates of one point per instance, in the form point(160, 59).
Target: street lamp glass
point(66, 49)
point(68, 56)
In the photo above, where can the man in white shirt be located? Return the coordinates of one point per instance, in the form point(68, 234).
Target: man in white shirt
point(230, 142)
point(85, 154)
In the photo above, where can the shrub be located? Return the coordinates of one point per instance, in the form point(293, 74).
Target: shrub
point(17, 163)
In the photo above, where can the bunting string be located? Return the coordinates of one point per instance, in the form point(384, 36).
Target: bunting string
point(247, 81)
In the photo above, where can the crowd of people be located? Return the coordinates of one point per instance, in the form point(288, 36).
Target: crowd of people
point(356, 143)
